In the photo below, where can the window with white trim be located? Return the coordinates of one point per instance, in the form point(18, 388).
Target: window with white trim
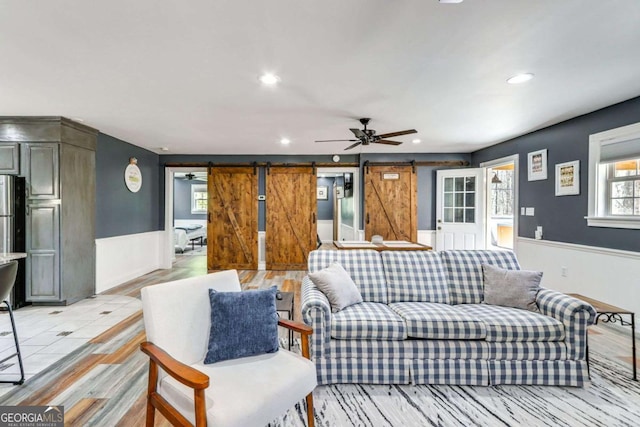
point(199, 198)
point(614, 178)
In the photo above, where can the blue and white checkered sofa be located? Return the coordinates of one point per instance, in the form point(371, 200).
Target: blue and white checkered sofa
point(422, 322)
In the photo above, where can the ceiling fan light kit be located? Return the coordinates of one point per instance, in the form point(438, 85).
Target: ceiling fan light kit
point(368, 136)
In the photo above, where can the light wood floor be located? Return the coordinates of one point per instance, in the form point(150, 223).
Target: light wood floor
point(103, 383)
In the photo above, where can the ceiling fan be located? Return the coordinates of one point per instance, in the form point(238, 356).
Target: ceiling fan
point(368, 136)
point(190, 176)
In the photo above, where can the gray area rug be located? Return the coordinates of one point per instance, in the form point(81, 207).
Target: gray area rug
point(612, 399)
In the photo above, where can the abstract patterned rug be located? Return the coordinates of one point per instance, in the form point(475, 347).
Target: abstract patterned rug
point(612, 399)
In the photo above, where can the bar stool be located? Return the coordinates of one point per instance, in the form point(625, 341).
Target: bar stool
point(8, 274)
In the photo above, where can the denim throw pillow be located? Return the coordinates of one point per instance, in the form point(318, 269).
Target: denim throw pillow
point(242, 324)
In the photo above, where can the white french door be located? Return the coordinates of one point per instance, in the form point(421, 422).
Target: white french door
point(460, 209)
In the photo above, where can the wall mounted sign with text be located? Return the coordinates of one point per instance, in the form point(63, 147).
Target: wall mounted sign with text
point(133, 176)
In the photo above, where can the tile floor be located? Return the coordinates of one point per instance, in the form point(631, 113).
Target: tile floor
point(48, 333)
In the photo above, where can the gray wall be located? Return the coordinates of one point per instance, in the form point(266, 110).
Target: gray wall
point(562, 218)
point(182, 199)
point(119, 211)
point(325, 207)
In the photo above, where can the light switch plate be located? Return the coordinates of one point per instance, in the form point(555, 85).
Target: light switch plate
point(530, 211)
point(523, 211)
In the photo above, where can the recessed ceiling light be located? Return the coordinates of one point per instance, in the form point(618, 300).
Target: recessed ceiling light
point(416, 141)
point(285, 141)
point(520, 78)
point(269, 79)
point(164, 148)
point(451, 1)
point(77, 119)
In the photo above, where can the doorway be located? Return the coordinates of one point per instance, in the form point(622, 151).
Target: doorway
point(501, 190)
point(338, 200)
point(460, 209)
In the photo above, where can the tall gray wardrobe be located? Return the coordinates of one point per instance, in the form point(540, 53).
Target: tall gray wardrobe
point(56, 156)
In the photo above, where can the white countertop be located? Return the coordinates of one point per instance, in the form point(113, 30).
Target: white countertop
point(10, 256)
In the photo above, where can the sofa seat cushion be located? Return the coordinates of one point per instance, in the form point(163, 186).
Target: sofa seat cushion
point(255, 379)
point(439, 321)
point(367, 321)
point(505, 324)
point(415, 276)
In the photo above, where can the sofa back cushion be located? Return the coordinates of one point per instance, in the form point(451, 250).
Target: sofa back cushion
point(464, 272)
point(364, 267)
point(415, 276)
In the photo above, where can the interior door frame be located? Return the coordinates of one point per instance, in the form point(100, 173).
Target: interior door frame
point(355, 172)
point(169, 174)
point(515, 158)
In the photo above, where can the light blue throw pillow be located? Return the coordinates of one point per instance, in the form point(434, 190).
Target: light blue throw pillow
point(242, 324)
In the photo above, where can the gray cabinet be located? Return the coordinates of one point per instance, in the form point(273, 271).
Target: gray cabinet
point(43, 247)
point(9, 158)
point(57, 159)
point(41, 169)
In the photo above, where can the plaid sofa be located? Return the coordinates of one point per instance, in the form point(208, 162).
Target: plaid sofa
point(422, 322)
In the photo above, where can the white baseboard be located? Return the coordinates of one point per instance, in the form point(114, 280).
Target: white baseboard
point(608, 275)
point(262, 259)
point(123, 258)
point(427, 237)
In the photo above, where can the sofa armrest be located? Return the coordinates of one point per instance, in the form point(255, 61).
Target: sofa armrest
point(574, 314)
point(316, 312)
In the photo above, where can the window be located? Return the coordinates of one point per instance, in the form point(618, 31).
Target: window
point(623, 184)
point(459, 199)
point(614, 178)
point(199, 198)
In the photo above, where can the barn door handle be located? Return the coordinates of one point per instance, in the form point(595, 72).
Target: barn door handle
point(314, 217)
point(367, 218)
point(209, 217)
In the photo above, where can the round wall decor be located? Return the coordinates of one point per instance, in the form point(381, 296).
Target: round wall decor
point(133, 176)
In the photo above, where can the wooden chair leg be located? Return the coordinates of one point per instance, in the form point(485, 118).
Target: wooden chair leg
point(310, 417)
point(153, 383)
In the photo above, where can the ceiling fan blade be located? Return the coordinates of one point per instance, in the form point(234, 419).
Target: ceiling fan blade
point(358, 133)
point(386, 141)
point(338, 140)
point(402, 132)
point(353, 145)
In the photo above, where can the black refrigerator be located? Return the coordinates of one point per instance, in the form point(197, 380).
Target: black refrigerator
point(12, 229)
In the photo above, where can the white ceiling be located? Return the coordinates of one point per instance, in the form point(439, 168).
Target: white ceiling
point(183, 75)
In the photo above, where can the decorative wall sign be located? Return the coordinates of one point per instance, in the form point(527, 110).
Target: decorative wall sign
point(391, 176)
point(133, 176)
point(537, 165)
point(568, 178)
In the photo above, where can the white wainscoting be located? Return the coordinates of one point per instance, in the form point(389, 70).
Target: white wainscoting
point(427, 237)
point(123, 258)
point(325, 230)
point(262, 250)
point(608, 275)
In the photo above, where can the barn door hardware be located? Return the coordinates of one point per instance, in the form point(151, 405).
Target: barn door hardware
point(210, 167)
point(413, 166)
point(268, 168)
point(255, 168)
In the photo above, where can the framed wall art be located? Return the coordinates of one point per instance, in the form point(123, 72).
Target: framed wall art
point(568, 178)
point(537, 165)
point(323, 192)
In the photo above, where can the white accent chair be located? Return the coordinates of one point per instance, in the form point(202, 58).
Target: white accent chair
point(251, 391)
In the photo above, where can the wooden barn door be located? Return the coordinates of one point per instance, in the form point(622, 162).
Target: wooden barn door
point(232, 240)
point(390, 203)
point(291, 217)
